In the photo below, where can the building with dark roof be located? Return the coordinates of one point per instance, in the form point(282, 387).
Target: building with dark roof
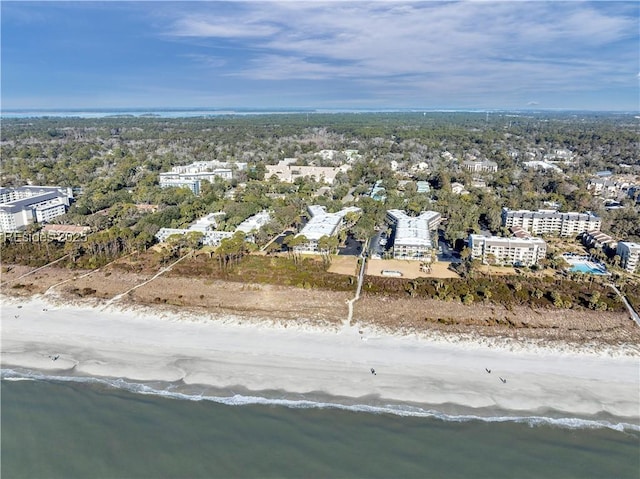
point(25, 205)
point(629, 255)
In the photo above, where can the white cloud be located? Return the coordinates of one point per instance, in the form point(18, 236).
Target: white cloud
point(207, 60)
point(220, 28)
point(424, 47)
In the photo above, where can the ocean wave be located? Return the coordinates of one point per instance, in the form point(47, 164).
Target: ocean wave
point(247, 400)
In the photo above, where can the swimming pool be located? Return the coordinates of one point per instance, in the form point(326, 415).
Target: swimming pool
point(586, 267)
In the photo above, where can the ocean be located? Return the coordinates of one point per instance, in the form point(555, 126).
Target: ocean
point(86, 428)
point(205, 112)
point(139, 112)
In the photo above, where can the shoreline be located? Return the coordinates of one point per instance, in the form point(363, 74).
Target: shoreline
point(193, 350)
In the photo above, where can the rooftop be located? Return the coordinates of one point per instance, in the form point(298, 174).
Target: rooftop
point(413, 231)
point(323, 223)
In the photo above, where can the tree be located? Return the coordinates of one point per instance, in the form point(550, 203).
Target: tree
point(292, 242)
point(327, 245)
point(617, 260)
point(273, 247)
point(594, 299)
point(231, 250)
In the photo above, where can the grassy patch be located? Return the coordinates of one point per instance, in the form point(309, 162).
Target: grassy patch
point(308, 273)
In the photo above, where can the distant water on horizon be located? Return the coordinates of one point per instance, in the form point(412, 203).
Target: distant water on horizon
point(67, 429)
point(205, 112)
point(138, 112)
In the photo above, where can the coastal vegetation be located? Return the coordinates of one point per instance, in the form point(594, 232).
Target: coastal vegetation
point(530, 289)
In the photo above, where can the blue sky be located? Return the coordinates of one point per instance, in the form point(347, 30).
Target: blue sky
point(344, 55)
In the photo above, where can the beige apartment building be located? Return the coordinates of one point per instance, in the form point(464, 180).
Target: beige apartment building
point(551, 222)
point(507, 251)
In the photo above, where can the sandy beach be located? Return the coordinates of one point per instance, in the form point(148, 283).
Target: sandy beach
point(224, 351)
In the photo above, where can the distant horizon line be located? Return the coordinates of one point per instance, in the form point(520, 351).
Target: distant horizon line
point(231, 110)
point(305, 108)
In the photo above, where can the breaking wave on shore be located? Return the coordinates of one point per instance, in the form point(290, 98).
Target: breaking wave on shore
point(174, 391)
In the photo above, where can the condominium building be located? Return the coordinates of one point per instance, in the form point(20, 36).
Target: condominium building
point(551, 222)
point(540, 165)
point(209, 237)
point(597, 239)
point(478, 166)
point(207, 226)
point(509, 251)
point(287, 172)
point(412, 234)
point(177, 182)
point(25, 205)
point(254, 222)
point(629, 255)
point(321, 224)
point(190, 176)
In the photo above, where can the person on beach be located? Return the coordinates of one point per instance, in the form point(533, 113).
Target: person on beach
point(373, 371)
point(487, 370)
point(503, 380)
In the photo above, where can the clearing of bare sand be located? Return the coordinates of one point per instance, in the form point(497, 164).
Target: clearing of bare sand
point(409, 269)
point(344, 265)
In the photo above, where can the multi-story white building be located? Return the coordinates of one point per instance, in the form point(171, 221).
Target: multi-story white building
point(207, 226)
point(321, 224)
point(510, 251)
point(48, 210)
point(629, 255)
point(191, 175)
point(254, 222)
point(541, 165)
point(412, 235)
point(209, 237)
point(176, 181)
point(551, 222)
point(478, 166)
point(20, 207)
